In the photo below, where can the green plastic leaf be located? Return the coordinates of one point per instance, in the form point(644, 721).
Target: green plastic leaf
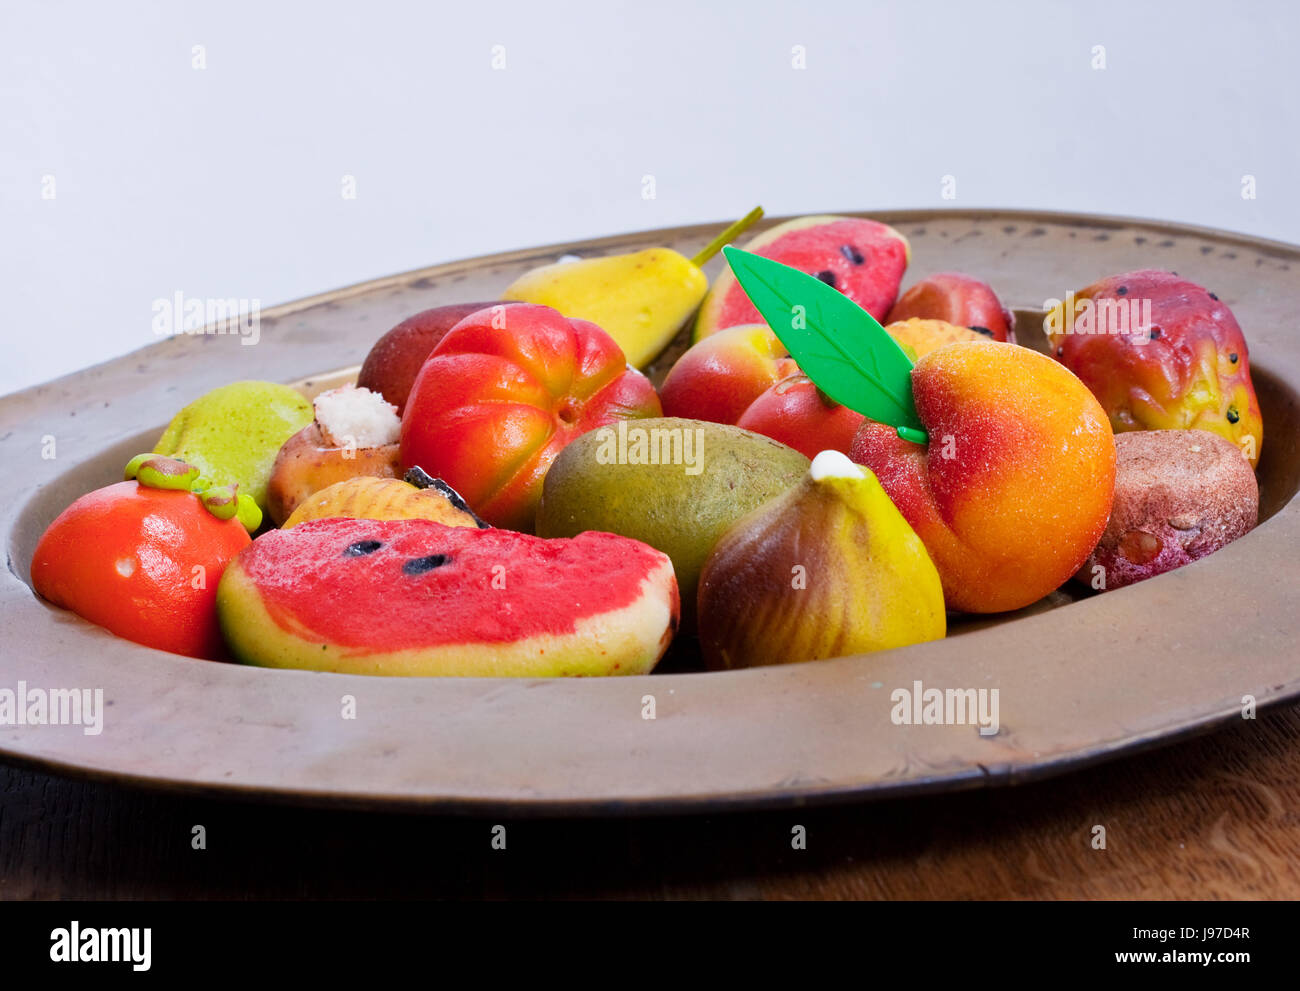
point(837, 344)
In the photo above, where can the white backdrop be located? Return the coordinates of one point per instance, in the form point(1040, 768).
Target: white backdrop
point(151, 148)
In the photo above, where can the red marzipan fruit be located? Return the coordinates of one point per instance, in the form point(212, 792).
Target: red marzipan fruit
point(142, 563)
point(863, 259)
point(956, 298)
point(415, 597)
point(1190, 370)
point(392, 364)
point(504, 392)
point(799, 415)
point(744, 376)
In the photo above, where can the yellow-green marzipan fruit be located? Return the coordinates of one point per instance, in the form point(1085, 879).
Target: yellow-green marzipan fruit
point(639, 299)
point(233, 433)
point(713, 475)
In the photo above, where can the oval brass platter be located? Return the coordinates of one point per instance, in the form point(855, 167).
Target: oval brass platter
point(1076, 684)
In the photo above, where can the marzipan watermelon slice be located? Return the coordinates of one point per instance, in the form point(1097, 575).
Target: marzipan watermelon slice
point(415, 597)
point(863, 259)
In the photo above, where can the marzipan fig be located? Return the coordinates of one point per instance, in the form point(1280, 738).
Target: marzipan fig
point(827, 569)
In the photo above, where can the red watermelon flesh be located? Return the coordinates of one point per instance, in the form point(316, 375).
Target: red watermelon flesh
point(863, 259)
point(417, 597)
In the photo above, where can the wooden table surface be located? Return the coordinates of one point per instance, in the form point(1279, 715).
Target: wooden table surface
point(1213, 817)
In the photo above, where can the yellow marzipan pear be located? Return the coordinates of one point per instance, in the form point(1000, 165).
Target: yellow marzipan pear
point(641, 299)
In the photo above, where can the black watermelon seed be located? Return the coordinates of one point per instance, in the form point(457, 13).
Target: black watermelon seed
point(362, 547)
point(1155, 333)
point(852, 254)
point(1214, 297)
point(1060, 351)
point(1122, 290)
point(1233, 357)
point(1233, 415)
point(827, 276)
point(419, 565)
point(983, 330)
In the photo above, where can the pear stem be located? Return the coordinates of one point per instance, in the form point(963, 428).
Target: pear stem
point(732, 232)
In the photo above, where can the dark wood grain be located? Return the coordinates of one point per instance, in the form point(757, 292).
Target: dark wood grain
point(1215, 817)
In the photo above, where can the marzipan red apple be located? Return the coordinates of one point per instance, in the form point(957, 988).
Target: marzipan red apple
point(956, 298)
point(392, 364)
point(503, 393)
point(745, 377)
